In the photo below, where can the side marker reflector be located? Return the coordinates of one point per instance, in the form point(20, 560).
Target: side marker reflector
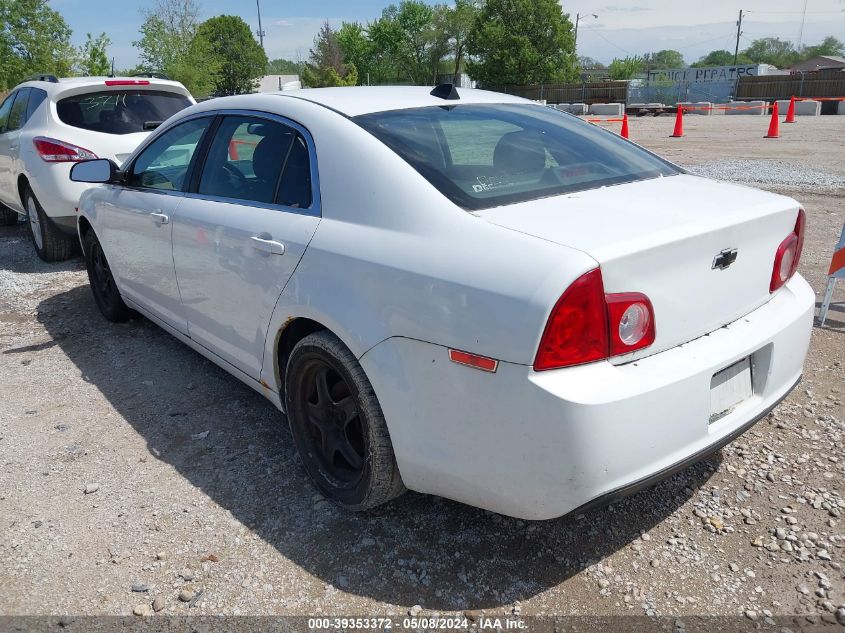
point(471, 360)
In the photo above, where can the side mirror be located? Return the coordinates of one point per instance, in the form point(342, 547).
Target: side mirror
point(100, 170)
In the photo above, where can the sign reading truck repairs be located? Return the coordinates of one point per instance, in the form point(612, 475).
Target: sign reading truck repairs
point(703, 75)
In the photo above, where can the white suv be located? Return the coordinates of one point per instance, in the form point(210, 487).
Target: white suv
point(48, 124)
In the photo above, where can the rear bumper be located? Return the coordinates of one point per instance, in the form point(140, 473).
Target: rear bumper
point(657, 477)
point(540, 445)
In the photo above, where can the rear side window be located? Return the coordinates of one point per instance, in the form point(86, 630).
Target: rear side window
point(17, 115)
point(295, 186)
point(36, 98)
point(246, 159)
point(119, 111)
point(482, 156)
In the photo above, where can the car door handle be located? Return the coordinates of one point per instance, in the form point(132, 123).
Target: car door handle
point(266, 245)
point(160, 218)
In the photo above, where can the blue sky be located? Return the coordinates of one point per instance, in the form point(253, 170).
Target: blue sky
point(633, 27)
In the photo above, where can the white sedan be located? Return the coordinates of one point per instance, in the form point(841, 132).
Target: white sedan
point(458, 292)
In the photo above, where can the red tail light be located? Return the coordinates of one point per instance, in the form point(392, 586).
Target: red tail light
point(631, 318)
point(127, 82)
point(54, 151)
point(587, 325)
point(576, 332)
point(788, 254)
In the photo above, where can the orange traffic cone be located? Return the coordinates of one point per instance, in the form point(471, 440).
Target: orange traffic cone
point(774, 125)
point(624, 132)
point(679, 123)
point(790, 111)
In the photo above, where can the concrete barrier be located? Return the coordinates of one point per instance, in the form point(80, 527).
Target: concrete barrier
point(802, 108)
point(840, 107)
point(607, 109)
point(578, 109)
point(697, 107)
point(748, 107)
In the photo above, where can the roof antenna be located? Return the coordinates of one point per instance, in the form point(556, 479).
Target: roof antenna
point(446, 91)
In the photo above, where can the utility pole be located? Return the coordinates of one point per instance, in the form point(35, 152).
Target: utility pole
point(738, 33)
point(578, 17)
point(260, 31)
point(801, 32)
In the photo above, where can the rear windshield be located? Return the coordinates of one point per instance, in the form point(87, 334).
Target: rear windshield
point(483, 156)
point(121, 111)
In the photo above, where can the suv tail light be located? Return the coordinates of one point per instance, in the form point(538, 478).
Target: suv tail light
point(54, 151)
point(788, 254)
point(587, 325)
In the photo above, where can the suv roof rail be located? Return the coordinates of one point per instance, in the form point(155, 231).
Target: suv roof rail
point(151, 75)
point(43, 77)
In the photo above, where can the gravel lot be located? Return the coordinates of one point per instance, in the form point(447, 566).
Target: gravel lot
point(113, 497)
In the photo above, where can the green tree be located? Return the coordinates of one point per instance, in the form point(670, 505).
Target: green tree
point(167, 32)
point(93, 60)
point(666, 58)
point(357, 49)
point(410, 34)
point(325, 66)
point(199, 70)
point(169, 45)
point(828, 46)
point(772, 50)
point(239, 60)
point(626, 68)
point(521, 42)
point(588, 63)
point(33, 39)
point(283, 67)
point(721, 58)
point(456, 23)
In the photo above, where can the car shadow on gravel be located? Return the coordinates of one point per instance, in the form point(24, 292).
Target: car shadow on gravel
point(417, 550)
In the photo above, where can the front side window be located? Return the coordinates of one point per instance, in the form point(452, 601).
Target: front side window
point(120, 111)
point(482, 156)
point(165, 162)
point(5, 108)
point(246, 158)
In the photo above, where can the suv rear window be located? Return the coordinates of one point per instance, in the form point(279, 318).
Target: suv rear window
point(119, 111)
point(482, 156)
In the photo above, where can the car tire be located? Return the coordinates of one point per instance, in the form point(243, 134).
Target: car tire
point(8, 217)
point(105, 291)
point(50, 244)
point(338, 425)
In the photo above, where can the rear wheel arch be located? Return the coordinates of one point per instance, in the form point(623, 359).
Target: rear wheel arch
point(294, 330)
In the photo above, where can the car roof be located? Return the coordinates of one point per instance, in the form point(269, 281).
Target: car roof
point(354, 101)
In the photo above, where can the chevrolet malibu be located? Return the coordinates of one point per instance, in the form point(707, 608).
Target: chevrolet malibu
point(457, 292)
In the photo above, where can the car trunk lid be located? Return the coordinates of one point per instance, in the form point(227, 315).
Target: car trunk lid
point(665, 237)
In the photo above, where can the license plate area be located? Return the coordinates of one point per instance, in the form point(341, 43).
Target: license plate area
point(729, 388)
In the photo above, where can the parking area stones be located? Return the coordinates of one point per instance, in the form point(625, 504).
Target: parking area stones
point(139, 478)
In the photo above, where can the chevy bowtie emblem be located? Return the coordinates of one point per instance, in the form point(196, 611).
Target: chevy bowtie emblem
point(724, 259)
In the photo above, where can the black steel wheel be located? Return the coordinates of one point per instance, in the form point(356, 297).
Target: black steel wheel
point(338, 426)
point(105, 291)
